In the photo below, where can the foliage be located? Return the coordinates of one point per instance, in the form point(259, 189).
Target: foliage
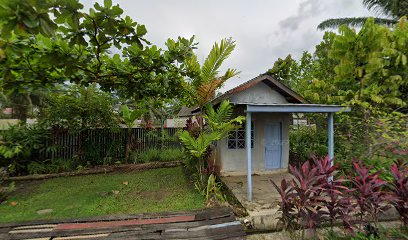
point(399, 188)
point(52, 166)
point(21, 145)
point(213, 190)
point(311, 198)
point(306, 141)
point(23, 104)
point(219, 123)
point(155, 190)
point(50, 42)
point(293, 73)
point(367, 70)
point(129, 117)
point(205, 79)
point(161, 155)
point(199, 146)
point(369, 193)
point(193, 126)
point(78, 108)
point(315, 196)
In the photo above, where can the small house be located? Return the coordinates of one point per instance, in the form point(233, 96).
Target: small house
point(262, 145)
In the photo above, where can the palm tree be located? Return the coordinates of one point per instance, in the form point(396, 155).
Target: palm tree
point(395, 9)
point(206, 79)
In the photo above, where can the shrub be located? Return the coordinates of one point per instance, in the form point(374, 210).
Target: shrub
point(161, 155)
point(171, 154)
point(315, 196)
point(311, 197)
point(368, 192)
point(306, 141)
point(23, 144)
point(52, 166)
point(399, 188)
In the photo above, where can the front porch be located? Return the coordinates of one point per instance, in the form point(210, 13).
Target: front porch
point(263, 209)
point(251, 109)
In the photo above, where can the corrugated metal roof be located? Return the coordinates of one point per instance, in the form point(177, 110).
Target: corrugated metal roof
point(187, 112)
point(268, 80)
point(292, 96)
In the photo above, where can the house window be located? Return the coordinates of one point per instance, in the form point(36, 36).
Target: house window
point(236, 138)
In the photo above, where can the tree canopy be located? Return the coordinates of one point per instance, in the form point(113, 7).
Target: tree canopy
point(48, 42)
point(365, 69)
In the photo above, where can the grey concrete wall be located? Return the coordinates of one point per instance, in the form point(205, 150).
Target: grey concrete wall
point(234, 161)
point(258, 94)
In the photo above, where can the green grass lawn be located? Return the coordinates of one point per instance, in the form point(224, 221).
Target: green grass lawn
point(157, 190)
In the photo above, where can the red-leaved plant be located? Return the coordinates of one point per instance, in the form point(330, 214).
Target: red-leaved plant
point(287, 204)
point(334, 194)
point(368, 193)
point(313, 196)
point(399, 188)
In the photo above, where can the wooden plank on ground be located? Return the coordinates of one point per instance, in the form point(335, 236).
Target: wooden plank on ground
point(217, 223)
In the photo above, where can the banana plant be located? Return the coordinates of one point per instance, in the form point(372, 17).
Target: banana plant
point(129, 117)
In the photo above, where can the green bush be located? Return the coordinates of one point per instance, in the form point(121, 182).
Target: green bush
point(52, 166)
point(171, 154)
point(21, 145)
point(160, 155)
point(306, 141)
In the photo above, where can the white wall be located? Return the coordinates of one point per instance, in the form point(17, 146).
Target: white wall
point(235, 160)
point(258, 94)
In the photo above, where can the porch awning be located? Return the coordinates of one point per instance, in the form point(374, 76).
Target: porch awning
point(289, 108)
point(296, 108)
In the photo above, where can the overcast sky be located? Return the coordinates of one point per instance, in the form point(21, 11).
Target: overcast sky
point(264, 30)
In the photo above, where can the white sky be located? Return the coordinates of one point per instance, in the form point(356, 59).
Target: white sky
point(264, 30)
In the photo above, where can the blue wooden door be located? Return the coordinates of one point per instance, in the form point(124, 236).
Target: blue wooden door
point(273, 146)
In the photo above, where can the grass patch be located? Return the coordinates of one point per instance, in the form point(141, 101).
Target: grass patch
point(160, 155)
point(157, 190)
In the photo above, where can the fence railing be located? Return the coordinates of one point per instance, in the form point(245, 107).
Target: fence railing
point(102, 143)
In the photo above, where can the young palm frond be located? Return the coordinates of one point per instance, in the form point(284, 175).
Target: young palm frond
point(223, 113)
point(395, 9)
point(218, 54)
point(205, 79)
point(197, 147)
point(220, 120)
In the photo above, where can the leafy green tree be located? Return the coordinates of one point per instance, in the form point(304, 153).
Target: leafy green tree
point(80, 108)
point(368, 71)
point(32, 16)
point(78, 48)
point(395, 9)
point(282, 70)
point(292, 73)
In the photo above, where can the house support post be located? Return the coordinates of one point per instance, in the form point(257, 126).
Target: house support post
point(249, 157)
point(331, 137)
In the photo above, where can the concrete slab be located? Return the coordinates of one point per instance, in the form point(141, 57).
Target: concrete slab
point(263, 209)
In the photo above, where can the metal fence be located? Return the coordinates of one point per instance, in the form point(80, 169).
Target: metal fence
point(102, 143)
